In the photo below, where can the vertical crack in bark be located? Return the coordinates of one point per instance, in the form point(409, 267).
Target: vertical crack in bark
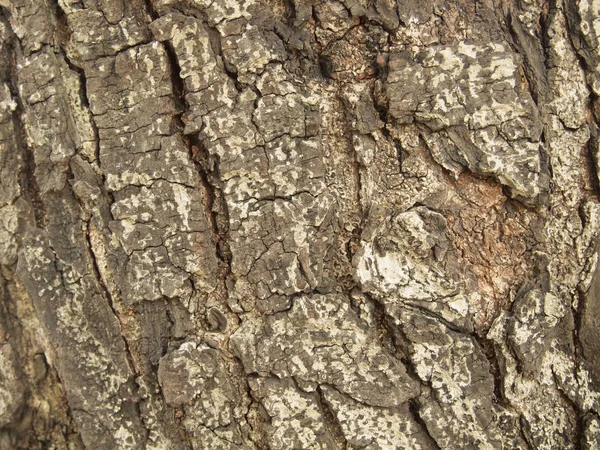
point(489, 351)
point(111, 303)
point(575, 40)
point(353, 242)
point(383, 332)
point(525, 436)
point(151, 10)
point(356, 165)
point(414, 408)
point(591, 155)
point(518, 35)
point(331, 420)
point(207, 167)
point(381, 106)
point(28, 179)
point(85, 104)
point(106, 291)
point(213, 201)
point(578, 429)
point(581, 300)
point(577, 319)
point(217, 47)
point(258, 434)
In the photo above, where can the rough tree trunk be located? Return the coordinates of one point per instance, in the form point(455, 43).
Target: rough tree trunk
point(299, 224)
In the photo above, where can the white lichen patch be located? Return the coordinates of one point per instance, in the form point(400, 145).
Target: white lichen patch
point(398, 265)
point(460, 90)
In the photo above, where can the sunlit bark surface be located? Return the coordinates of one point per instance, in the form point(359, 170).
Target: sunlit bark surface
point(299, 224)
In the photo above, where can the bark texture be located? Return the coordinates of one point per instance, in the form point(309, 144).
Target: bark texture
point(299, 224)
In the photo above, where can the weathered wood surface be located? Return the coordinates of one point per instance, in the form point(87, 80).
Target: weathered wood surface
point(299, 224)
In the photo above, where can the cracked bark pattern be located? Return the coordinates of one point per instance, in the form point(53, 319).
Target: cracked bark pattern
point(297, 224)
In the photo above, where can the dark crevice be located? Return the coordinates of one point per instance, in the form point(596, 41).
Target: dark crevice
point(357, 166)
point(231, 72)
point(258, 426)
point(592, 154)
point(401, 154)
point(290, 12)
point(331, 420)
point(353, 244)
point(151, 10)
point(408, 365)
point(106, 291)
point(380, 101)
point(314, 17)
point(63, 31)
point(207, 167)
point(381, 106)
point(536, 82)
point(111, 303)
point(414, 408)
point(86, 104)
point(437, 317)
point(393, 339)
point(214, 37)
point(546, 171)
point(549, 9)
point(213, 197)
point(177, 84)
point(577, 323)
point(403, 346)
point(381, 67)
point(326, 66)
point(578, 416)
point(382, 326)
point(489, 351)
point(28, 179)
point(524, 431)
point(217, 47)
point(350, 240)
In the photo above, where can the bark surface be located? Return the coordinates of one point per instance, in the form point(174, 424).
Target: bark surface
point(299, 224)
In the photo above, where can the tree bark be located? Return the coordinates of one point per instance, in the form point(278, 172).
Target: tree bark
point(299, 224)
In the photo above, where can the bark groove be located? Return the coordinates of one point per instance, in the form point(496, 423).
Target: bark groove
point(290, 224)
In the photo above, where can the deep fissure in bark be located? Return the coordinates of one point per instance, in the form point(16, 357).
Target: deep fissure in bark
point(414, 408)
point(28, 178)
point(295, 243)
